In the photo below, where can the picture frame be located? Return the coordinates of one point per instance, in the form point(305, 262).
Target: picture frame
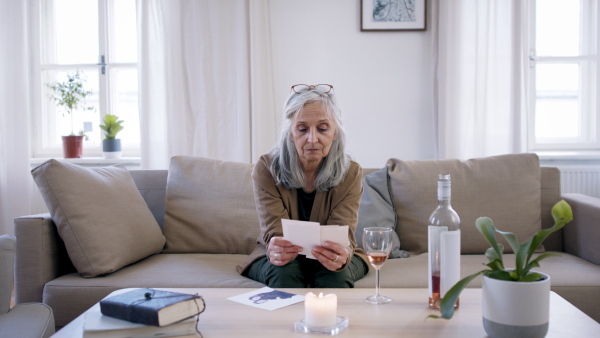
point(393, 15)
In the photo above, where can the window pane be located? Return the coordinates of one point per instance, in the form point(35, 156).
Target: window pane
point(556, 118)
point(124, 31)
point(557, 27)
point(557, 77)
point(76, 25)
point(557, 104)
point(126, 105)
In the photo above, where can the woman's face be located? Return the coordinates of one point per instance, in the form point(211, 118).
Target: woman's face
point(313, 132)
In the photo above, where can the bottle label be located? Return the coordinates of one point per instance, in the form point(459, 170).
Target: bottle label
point(449, 260)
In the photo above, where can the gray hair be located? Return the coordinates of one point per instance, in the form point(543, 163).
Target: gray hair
point(285, 165)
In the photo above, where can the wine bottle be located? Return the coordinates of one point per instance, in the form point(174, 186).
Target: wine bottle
point(444, 245)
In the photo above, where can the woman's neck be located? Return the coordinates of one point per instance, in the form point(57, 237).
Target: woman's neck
point(311, 177)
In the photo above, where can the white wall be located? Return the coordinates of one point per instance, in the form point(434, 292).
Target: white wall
point(383, 80)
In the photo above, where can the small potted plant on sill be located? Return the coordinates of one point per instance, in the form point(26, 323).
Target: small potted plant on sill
point(71, 94)
point(111, 146)
point(516, 301)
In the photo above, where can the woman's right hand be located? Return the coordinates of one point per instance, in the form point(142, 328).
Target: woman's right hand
point(280, 252)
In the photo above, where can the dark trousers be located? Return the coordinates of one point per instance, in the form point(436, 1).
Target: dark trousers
point(303, 272)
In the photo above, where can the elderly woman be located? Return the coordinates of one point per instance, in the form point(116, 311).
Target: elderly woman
point(309, 177)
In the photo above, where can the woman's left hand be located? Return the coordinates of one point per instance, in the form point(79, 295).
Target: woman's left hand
point(332, 255)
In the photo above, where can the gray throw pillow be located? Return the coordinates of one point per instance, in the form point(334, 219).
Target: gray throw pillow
point(99, 214)
point(377, 209)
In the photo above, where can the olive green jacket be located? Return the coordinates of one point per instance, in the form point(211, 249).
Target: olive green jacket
point(338, 206)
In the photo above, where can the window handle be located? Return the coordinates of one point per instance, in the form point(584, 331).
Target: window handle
point(102, 63)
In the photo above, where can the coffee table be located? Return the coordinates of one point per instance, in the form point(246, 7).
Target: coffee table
point(405, 316)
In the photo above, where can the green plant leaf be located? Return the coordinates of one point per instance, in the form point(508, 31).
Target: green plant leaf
point(532, 277)
point(562, 214)
point(112, 126)
point(521, 258)
point(485, 225)
point(500, 274)
point(495, 265)
point(447, 303)
point(511, 239)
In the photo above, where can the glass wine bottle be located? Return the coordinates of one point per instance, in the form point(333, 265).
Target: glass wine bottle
point(444, 245)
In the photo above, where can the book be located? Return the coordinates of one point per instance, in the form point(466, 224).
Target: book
point(152, 307)
point(97, 325)
point(311, 234)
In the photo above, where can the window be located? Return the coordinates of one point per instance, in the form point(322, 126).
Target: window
point(563, 88)
point(98, 38)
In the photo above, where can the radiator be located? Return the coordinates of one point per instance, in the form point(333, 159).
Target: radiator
point(583, 180)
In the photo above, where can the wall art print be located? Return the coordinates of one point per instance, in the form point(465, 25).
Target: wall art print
point(393, 15)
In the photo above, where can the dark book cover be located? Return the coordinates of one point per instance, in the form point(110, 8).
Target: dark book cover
point(152, 307)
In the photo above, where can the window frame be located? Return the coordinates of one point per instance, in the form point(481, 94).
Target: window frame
point(589, 139)
point(42, 120)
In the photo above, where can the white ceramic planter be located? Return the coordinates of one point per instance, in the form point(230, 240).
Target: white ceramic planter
point(516, 309)
point(111, 148)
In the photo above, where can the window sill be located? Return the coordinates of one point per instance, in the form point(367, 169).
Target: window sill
point(569, 157)
point(129, 162)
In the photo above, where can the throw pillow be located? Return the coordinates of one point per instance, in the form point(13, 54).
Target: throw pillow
point(210, 207)
point(505, 188)
point(377, 209)
point(99, 214)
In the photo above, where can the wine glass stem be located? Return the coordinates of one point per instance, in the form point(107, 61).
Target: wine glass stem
point(377, 283)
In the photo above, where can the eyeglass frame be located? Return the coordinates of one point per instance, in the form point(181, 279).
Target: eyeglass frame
point(313, 87)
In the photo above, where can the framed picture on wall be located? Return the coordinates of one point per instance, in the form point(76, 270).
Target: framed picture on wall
point(393, 15)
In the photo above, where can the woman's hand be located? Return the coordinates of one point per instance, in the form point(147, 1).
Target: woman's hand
point(332, 255)
point(280, 252)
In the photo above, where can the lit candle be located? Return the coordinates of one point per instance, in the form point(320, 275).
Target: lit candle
point(320, 311)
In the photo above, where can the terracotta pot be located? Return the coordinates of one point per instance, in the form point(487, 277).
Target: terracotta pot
point(516, 309)
point(72, 146)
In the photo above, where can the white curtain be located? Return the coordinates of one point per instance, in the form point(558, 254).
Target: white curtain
point(479, 101)
point(16, 183)
point(205, 80)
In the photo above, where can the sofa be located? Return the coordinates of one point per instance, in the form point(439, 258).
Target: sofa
point(190, 226)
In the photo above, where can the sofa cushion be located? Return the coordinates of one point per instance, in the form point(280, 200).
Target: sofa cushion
point(377, 209)
point(210, 207)
point(505, 188)
point(99, 214)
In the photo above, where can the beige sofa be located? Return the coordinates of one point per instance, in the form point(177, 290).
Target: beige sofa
point(206, 213)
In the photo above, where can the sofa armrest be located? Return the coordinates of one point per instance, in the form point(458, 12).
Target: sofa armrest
point(41, 257)
point(582, 235)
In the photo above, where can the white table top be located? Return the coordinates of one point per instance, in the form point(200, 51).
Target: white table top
point(405, 316)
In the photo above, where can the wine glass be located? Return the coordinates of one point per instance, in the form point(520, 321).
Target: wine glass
point(377, 242)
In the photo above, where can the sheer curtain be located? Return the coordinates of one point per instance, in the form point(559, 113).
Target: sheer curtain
point(16, 183)
point(479, 101)
point(205, 80)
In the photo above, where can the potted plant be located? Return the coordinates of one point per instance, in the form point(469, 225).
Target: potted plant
point(515, 301)
point(111, 146)
point(71, 94)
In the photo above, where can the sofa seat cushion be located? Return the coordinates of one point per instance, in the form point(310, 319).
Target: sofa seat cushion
point(210, 207)
point(505, 188)
point(99, 214)
point(567, 272)
point(70, 295)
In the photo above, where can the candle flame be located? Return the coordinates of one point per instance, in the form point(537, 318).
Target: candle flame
point(321, 295)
